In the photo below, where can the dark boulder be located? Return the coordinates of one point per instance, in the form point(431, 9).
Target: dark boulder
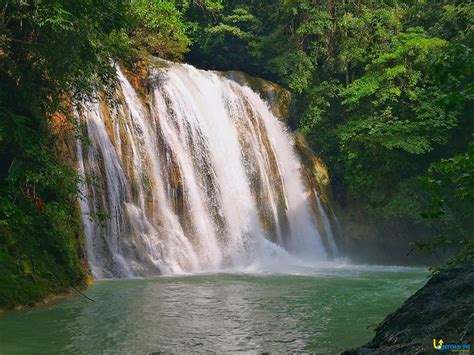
point(442, 309)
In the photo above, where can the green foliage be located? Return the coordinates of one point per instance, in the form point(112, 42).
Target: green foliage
point(157, 29)
point(40, 229)
point(450, 188)
point(208, 6)
point(395, 104)
point(38, 37)
point(397, 113)
point(51, 52)
point(296, 68)
point(227, 37)
point(450, 184)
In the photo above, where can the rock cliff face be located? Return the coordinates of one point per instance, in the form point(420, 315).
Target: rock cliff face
point(442, 309)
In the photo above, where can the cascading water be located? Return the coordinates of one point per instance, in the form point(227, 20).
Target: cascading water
point(196, 175)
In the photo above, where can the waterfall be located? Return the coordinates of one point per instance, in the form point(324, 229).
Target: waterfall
point(196, 174)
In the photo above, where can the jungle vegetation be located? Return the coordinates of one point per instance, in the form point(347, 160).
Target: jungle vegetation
point(382, 90)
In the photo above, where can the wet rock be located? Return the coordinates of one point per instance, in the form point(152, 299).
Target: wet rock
point(313, 164)
point(277, 97)
point(442, 309)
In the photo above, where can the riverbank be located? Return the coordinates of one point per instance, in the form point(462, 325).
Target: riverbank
point(45, 301)
point(38, 293)
point(442, 309)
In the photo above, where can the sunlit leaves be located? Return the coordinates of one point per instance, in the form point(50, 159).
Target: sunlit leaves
point(158, 29)
point(400, 104)
point(229, 40)
point(297, 69)
point(54, 15)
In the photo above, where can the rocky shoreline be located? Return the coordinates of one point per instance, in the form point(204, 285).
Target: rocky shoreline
point(442, 309)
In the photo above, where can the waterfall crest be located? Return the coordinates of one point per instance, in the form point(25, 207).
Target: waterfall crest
point(196, 175)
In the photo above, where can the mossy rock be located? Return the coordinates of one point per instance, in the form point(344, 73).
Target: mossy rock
point(313, 164)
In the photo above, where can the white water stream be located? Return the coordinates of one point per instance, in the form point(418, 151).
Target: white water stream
point(198, 175)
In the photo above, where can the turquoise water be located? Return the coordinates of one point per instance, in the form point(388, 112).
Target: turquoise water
point(319, 310)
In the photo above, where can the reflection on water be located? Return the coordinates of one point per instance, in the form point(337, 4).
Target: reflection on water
point(219, 313)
